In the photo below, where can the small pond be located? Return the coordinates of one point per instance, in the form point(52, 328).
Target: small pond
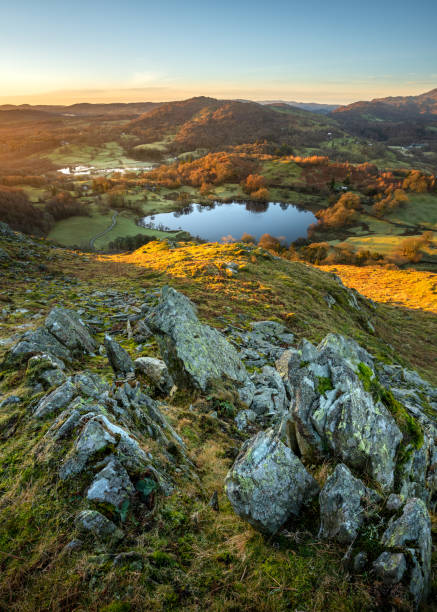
point(217, 221)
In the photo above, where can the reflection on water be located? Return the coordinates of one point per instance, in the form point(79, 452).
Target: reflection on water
point(215, 221)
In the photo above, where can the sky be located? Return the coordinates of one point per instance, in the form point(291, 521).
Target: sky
point(58, 52)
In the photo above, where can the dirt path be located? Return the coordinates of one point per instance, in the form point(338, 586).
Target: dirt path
point(108, 229)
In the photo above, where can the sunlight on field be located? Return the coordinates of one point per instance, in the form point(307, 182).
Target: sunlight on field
point(410, 288)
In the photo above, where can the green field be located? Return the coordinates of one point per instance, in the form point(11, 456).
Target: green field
point(107, 155)
point(78, 231)
point(420, 210)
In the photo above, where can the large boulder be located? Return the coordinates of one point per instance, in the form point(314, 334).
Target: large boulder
point(343, 502)
point(196, 354)
point(268, 484)
point(68, 328)
point(333, 414)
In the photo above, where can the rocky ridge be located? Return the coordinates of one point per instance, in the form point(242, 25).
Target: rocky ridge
point(330, 433)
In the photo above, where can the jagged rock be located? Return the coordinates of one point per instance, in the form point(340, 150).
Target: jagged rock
point(57, 399)
point(390, 567)
point(111, 485)
point(342, 505)
point(98, 525)
point(33, 343)
point(156, 373)
point(67, 327)
point(267, 483)
point(93, 439)
point(333, 414)
point(196, 354)
point(270, 396)
point(119, 359)
point(90, 385)
point(411, 533)
point(100, 435)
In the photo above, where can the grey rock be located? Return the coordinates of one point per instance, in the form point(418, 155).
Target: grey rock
point(111, 485)
point(141, 332)
point(119, 359)
point(196, 354)
point(394, 503)
point(270, 395)
point(10, 401)
point(33, 343)
point(93, 439)
point(346, 348)
point(411, 532)
point(98, 525)
point(360, 561)
point(244, 419)
point(45, 369)
point(156, 372)
point(390, 567)
point(267, 483)
point(67, 327)
point(342, 505)
point(56, 400)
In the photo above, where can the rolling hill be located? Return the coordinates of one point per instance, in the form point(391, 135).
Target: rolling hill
point(210, 123)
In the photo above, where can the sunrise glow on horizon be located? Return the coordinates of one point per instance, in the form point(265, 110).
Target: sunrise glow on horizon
point(139, 51)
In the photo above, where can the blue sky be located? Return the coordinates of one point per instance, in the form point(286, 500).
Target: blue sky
point(337, 51)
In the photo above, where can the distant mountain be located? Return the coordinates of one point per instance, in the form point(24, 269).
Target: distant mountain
point(84, 109)
point(209, 123)
point(313, 107)
point(401, 120)
point(395, 108)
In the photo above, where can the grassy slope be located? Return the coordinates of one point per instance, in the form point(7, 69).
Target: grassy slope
point(195, 558)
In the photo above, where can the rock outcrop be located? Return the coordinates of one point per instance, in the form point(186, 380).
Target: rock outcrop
point(196, 355)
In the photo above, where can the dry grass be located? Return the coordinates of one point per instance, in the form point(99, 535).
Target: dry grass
point(411, 288)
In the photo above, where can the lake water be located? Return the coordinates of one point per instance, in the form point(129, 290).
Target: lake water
point(217, 221)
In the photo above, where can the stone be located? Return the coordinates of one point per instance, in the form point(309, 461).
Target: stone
point(56, 400)
point(33, 343)
point(360, 561)
point(394, 502)
point(68, 328)
point(390, 567)
point(196, 354)
point(93, 439)
point(270, 396)
point(156, 372)
point(141, 332)
point(342, 505)
point(268, 484)
point(119, 359)
point(111, 485)
point(411, 533)
point(244, 419)
point(98, 525)
point(348, 349)
point(333, 414)
point(45, 369)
